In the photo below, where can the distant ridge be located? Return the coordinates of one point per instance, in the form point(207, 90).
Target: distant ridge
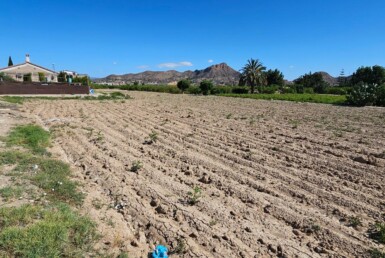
point(220, 74)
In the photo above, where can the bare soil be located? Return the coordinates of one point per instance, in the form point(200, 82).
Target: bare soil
point(277, 178)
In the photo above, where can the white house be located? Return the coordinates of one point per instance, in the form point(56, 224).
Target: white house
point(38, 73)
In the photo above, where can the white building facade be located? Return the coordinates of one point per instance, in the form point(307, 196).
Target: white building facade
point(37, 73)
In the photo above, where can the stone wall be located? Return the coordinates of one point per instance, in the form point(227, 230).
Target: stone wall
point(28, 88)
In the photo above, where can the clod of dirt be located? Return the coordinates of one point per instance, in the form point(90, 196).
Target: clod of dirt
point(154, 202)
point(161, 209)
point(205, 179)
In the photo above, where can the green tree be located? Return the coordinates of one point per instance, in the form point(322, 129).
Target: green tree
point(253, 74)
point(206, 86)
point(314, 81)
point(370, 75)
point(62, 77)
point(274, 77)
point(183, 85)
point(10, 62)
point(6, 78)
point(83, 80)
point(342, 80)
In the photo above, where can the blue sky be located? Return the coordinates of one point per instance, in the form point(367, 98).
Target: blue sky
point(116, 37)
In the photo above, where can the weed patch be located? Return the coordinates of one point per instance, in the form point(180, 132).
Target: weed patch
point(32, 137)
point(48, 174)
point(12, 99)
point(378, 232)
point(10, 192)
point(37, 231)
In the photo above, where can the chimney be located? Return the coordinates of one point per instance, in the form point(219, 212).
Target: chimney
point(27, 60)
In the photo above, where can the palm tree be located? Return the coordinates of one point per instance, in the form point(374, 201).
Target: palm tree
point(253, 74)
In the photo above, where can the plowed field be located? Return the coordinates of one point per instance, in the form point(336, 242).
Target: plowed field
point(277, 178)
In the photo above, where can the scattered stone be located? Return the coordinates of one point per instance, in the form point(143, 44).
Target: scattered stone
point(267, 209)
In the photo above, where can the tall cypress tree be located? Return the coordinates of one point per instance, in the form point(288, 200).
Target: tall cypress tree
point(10, 63)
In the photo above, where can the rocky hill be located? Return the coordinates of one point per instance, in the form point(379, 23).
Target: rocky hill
point(329, 79)
point(220, 74)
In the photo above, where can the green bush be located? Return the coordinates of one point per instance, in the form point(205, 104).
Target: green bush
point(240, 90)
point(183, 85)
point(308, 90)
point(206, 87)
point(221, 90)
point(338, 90)
point(4, 77)
point(194, 90)
point(270, 89)
point(363, 94)
point(288, 89)
point(300, 89)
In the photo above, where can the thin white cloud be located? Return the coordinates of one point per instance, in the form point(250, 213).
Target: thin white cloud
point(114, 63)
point(175, 65)
point(291, 66)
point(143, 67)
point(210, 61)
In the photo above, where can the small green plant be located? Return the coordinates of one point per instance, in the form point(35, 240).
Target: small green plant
point(228, 116)
point(378, 232)
point(110, 223)
point(294, 123)
point(375, 253)
point(194, 195)
point(153, 137)
point(316, 228)
point(355, 222)
point(213, 223)
point(181, 247)
point(123, 255)
point(136, 166)
point(97, 203)
point(100, 136)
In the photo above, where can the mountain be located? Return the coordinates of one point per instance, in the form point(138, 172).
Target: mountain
point(329, 79)
point(220, 74)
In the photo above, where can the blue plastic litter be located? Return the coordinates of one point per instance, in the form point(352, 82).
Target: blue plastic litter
point(160, 252)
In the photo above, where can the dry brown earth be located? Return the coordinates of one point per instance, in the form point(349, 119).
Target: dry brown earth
point(278, 178)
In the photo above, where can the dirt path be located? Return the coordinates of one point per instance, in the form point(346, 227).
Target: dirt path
point(278, 178)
